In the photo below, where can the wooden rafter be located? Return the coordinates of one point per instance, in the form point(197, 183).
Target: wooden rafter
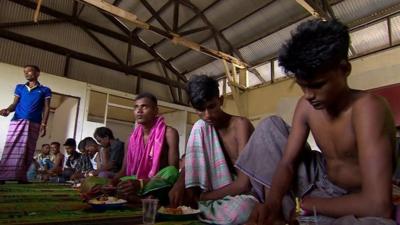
point(66, 65)
point(129, 52)
point(80, 23)
point(175, 38)
point(156, 15)
point(99, 42)
point(176, 17)
point(161, 10)
point(133, 36)
point(142, 63)
point(317, 8)
point(217, 34)
point(195, 30)
point(191, 20)
point(233, 49)
point(171, 88)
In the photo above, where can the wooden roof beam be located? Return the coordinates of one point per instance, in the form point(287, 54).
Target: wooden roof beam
point(316, 8)
point(175, 38)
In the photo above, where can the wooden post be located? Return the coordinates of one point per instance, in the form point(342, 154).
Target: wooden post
point(37, 10)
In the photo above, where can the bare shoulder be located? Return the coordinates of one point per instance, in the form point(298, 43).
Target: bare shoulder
point(303, 111)
point(372, 111)
point(371, 100)
point(241, 123)
point(367, 103)
point(171, 132)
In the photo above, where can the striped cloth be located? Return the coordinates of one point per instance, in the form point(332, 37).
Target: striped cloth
point(18, 150)
point(206, 167)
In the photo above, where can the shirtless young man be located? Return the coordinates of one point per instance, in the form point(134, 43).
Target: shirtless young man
point(354, 130)
point(214, 145)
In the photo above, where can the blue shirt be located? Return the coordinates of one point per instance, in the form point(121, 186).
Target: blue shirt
point(31, 102)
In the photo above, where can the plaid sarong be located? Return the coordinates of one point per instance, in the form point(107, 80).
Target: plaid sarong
point(18, 150)
point(206, 167)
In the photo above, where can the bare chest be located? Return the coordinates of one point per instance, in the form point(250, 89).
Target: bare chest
point(229, 145)
point(336, 138)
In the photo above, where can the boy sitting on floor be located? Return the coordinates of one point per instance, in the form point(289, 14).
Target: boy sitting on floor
point(349, 182)
point(215, 143)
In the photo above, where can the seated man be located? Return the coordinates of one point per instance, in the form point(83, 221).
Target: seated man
point(72, 160)
point(58, 162)
point(41, 162)
point(349, 181)
point(214, 144)
point(152, 153)
point(84, 164)
point(114, 149)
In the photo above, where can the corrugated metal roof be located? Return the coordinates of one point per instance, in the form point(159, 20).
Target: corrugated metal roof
point(18, 13)
point(233, 10)
point(214, 68)
point(140, 55)
point(64, 6)
point(15, 53)
point(75, 39)
point(92, 15)
point(190, 61)
point(395, 22)
point(265, 21)
point(350, 10)
point(101, 76)
point(268, 46)
point(370, 38)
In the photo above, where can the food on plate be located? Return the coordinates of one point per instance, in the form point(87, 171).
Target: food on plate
point(181, 210)
point(106, 200)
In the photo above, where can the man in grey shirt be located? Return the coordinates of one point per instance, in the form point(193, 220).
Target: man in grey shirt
point(113, 151)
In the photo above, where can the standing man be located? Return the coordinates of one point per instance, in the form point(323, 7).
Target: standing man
point(31, 106)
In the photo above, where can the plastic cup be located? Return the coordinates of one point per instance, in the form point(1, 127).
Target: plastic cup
point(149, 210)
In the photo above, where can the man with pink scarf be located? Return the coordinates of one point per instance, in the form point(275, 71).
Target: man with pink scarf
point(152, 149)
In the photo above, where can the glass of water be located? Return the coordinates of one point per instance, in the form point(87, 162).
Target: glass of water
point(149, 210)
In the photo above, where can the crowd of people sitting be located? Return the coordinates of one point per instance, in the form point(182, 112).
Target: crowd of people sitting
point(101, 157)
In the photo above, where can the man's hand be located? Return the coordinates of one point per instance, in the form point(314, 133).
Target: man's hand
point(42, 130)
point(264, 215)
point(126, 189)
point(4, 112)
point(176, 195)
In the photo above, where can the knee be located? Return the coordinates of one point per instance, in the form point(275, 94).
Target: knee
point(273, 123)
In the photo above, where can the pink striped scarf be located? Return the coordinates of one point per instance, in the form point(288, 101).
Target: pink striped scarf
point(144, 160)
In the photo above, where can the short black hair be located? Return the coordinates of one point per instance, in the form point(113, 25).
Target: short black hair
point(147, 95)
point(56, 143)
point(70, 142)
point(45, 145)
point(103, 132)
point(315, 46)
point(37, 69)
point(82, 145)
point(202, 88)
point(89, 141)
